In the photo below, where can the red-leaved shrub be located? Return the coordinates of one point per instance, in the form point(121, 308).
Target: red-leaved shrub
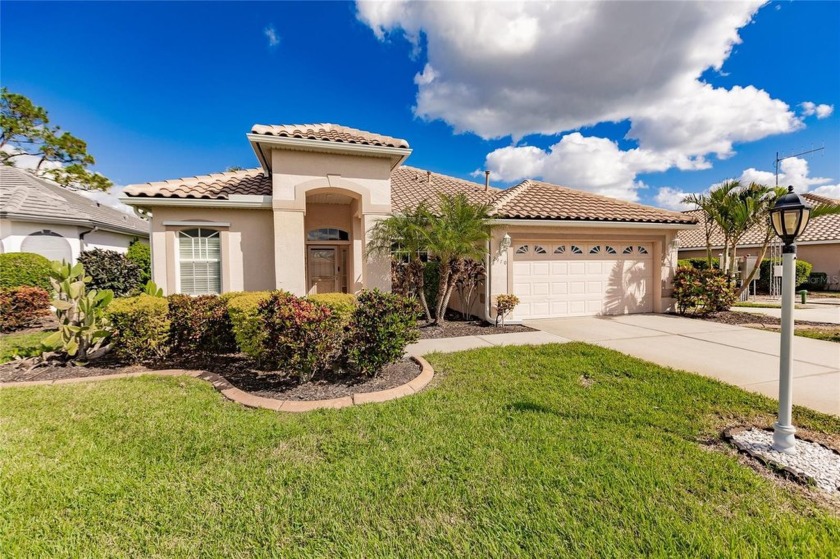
point(199, 326)
point(702, 291)
point(21, 307)
point(300, 336)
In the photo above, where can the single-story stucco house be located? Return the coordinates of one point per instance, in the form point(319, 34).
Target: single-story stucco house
point(299, 223)
point(39, 216)
point(819, 244)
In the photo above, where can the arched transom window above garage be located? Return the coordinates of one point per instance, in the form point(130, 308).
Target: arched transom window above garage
point(606, 250)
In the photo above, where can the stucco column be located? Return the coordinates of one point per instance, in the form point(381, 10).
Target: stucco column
point(377, 270)
point(232, 267)
point(290, 251)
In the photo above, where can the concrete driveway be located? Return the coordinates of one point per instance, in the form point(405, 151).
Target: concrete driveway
point(744, 357)
point(813, 313)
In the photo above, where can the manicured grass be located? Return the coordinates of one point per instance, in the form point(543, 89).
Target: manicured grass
point(22, 345)
point(552, 451)
point(827, 334)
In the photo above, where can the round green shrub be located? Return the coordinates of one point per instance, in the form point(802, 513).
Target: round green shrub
point(141, 327)
point(25, 268)
point(140, 253)
point(341, 304)
point(245, 320)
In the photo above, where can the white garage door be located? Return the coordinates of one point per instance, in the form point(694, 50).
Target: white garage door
point(582, 279)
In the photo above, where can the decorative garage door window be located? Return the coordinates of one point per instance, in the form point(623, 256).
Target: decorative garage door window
point(523, 249)
point(581, 251)
point(576, 250)
point(199, 252)
point(539, 250)
point(48, 244)
point(561, 249)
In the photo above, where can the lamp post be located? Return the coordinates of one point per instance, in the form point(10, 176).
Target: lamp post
point(789, 218)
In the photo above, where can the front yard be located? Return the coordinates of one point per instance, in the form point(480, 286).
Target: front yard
point(546, 451)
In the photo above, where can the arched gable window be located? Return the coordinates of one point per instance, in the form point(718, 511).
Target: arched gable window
point(199, 254)
point(328, 234)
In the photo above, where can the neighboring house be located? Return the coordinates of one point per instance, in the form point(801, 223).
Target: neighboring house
point(819, 244)
point(299, 223)
point(39, 216)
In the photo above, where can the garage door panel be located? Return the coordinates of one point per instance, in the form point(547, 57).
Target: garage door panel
point(585, 283)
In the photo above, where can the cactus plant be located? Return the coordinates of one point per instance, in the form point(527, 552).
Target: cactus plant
point(82, 326)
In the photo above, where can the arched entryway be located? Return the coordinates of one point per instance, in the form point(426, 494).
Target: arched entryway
point(330, 222)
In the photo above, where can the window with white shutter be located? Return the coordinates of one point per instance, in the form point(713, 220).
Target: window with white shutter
point(199, 254)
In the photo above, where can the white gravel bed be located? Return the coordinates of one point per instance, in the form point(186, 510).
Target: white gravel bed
point(811, 460)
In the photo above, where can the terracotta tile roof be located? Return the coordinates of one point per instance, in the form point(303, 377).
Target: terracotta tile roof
point(821, 229)
point(410, 186)
point(541, 200)
point(218, 186)
point(817, 200)
point(23, 195)
point(329, 132)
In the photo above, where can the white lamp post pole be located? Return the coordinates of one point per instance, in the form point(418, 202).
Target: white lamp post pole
point(783, 431)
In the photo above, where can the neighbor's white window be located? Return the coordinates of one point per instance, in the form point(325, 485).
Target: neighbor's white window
point(199, 252)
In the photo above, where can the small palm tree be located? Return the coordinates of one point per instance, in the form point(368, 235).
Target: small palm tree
point(403, 238)
point(459, 232)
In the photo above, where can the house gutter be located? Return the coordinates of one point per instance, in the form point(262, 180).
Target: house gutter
point(71, 221)
point(245, 201)
point(82, 236)
point(590, 223)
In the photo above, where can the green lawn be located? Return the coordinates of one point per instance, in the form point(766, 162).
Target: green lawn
point(827, 334)
point(554, 451)
point(22, 345)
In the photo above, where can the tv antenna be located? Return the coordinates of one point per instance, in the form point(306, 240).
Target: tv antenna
point(780, 159)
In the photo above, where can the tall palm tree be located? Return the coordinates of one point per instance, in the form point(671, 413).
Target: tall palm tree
point(403, 238)
point(459, 231)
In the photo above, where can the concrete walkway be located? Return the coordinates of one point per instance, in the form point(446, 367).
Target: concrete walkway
point(812, 313)
point(745, 357)
point(462, 343)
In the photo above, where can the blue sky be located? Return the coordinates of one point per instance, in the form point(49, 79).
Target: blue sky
point(165, 90)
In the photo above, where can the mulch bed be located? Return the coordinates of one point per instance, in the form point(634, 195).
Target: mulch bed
point(456, 326)
point(750, 319)
point(236, 369)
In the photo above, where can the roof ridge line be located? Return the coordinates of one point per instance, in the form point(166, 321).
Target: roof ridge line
point(198, 178)
point(508, 195)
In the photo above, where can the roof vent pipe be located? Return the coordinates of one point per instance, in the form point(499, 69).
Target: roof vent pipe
point(486, 181)
point(428, 177)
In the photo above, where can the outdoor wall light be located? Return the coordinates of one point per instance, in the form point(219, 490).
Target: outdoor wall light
point(505, 244)
point(789, 218)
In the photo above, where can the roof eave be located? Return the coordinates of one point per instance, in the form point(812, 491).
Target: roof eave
point(70, 221)
point(554, 222)
point(397, 155)
point(239, 201)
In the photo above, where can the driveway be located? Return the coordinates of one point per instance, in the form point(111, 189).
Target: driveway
point(813, 313)
point(745, 357)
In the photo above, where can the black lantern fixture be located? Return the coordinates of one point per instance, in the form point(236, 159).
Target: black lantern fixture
point(789, 218)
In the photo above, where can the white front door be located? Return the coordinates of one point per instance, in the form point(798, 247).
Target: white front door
point(555, 279)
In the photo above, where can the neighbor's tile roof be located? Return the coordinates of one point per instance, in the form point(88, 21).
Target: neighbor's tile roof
point(330, 133)
point(23, 195)
point(821, 229)
point(533, 199)
point(217, 186)
point(410, 186)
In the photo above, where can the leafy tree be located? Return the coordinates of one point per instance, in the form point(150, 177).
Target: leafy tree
point(26, 131)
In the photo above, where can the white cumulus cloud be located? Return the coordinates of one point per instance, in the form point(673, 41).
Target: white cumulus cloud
point(821, 111)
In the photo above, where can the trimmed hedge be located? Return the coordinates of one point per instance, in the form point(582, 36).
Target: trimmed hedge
point(245, 321)
point(341, 304)
point(141, 255)
point(25, 268)
point(21, 307)
point(702, 291)
point(199, 325)
point(141, 327)
point(381, 326)
point(803, 270)
point(301, 336)
point(109, 269)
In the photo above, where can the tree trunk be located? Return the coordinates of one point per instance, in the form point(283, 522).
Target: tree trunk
point(443, 284)
point(419, 270)
point(757, 266)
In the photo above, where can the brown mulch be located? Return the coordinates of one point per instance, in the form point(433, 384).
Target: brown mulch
point(456, 326)
point(236, 369)
point(749, 319)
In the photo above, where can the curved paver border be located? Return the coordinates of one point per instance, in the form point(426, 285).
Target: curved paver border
point(253, 401)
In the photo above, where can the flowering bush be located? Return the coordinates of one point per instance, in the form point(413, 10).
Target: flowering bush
point(702, 291)
point(301, 336)
point(21, 307)
point(200, 325)
point(381, 326)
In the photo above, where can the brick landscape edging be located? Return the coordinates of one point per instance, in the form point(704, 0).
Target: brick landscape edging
point(253, 401)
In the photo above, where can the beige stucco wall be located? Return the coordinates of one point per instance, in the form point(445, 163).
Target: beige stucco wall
point(825, 258)
point(501, 270)
point(247, 246)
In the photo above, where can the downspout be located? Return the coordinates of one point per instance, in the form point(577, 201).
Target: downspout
point(82, 237)
point(489, 267)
